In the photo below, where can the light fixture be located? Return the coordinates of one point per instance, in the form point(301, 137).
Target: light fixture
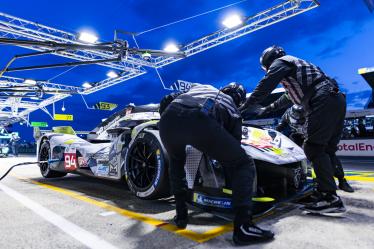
point(232, 21)
point(87, 37)
point(63, 106)
point(171, 48)
point(112, 74)
point(146, 56)
point(29, 81)
point(34, 98)
point(86, 85)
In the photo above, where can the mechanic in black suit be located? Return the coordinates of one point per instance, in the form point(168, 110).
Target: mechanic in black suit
point(293, 121)
point(325, 106)
point(208, 120)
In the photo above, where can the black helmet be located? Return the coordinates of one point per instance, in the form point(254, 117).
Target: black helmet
point(297, 112)
point(269, 55)
point(236, 91)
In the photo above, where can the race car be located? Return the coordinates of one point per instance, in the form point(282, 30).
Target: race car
point(127, 147)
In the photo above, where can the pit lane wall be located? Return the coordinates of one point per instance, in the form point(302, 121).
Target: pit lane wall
point(356, 147)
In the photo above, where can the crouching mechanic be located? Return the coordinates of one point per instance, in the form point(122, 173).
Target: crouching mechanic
point(294, 121)
point(325, 107)
point(209, 120)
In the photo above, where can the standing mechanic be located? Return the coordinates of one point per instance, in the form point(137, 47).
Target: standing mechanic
point(209, 120)
point(294, 120)
point(14, 143)
point(325, 107)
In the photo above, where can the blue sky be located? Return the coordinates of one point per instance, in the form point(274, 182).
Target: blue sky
point(337, 36)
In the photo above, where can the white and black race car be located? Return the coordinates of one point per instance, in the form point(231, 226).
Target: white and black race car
point(127, 147)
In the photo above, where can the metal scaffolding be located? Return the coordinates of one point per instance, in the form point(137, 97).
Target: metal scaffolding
point(131, 65)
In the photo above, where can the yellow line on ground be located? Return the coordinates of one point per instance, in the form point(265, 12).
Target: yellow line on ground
point(197, 237)
point(360, 178)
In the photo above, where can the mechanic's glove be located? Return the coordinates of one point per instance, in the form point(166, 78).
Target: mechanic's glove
point(262, 112)
point(243, 108)
point(279, 128)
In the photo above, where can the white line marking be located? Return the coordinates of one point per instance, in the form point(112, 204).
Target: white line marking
point(88, 239)
point(104, 214)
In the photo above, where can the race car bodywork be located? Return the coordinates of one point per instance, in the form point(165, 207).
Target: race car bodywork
point(127, 146)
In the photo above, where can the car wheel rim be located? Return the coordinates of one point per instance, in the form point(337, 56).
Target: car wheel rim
point(44, 156)
point(142, 166)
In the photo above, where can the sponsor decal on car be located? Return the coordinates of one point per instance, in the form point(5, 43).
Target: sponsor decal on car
point(102, 170)
point(113, 171)
point(82, 162)
point(159, 165)
point(211, 201)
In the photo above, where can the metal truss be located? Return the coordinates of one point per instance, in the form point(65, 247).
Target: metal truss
point(15, 109)
point(130, 66)
point(18, 28)
point(7, 81)
point(261, 20)
point(110, 82)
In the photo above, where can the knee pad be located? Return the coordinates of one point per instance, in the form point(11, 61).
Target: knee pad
point(313, 150)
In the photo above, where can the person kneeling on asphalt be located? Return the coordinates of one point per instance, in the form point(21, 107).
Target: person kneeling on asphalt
point(325, 107)
point(208, 120)
point(293, 121)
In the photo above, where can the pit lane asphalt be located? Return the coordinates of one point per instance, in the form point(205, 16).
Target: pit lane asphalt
point(81, 212)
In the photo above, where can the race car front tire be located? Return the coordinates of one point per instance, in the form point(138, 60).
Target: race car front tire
point(146, 167)
point(44, 155)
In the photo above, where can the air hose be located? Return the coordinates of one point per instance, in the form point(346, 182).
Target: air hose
point(27, 163)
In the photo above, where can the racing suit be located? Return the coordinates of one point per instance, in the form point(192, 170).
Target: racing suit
point(297, 134)
point(218, 135)
point(294, 126)
point(325, 108)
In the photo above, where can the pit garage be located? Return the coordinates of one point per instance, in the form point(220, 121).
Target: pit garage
point(97, 176)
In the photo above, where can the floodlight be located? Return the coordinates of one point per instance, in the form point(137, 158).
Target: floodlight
point(86, 85)
point(232, 21)
point(30, 81)
point(87, 37)
point(112, 74)
point(171, 48)
point(63, 107)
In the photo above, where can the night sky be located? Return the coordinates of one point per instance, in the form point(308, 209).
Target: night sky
point(337, 36)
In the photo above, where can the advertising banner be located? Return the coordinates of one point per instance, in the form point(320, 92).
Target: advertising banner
point(105, 106)
point(63, 117)
point(39, 124)
point(356, 147)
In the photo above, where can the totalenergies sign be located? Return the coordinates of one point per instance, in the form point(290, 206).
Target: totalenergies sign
point(356, 147)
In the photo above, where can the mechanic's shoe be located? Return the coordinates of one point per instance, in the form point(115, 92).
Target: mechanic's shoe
point(181, 223)
point(181, 219)
point(330, 203)
point(314, 197)
point(344, 185)
point(248, 233)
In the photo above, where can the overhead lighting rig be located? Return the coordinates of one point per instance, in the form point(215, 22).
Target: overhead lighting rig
point(119, 50)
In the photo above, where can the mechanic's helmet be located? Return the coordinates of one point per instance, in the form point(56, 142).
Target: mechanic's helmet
point(297, 112)
point(269, 55)
point(130, 105)
point(236, 91)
